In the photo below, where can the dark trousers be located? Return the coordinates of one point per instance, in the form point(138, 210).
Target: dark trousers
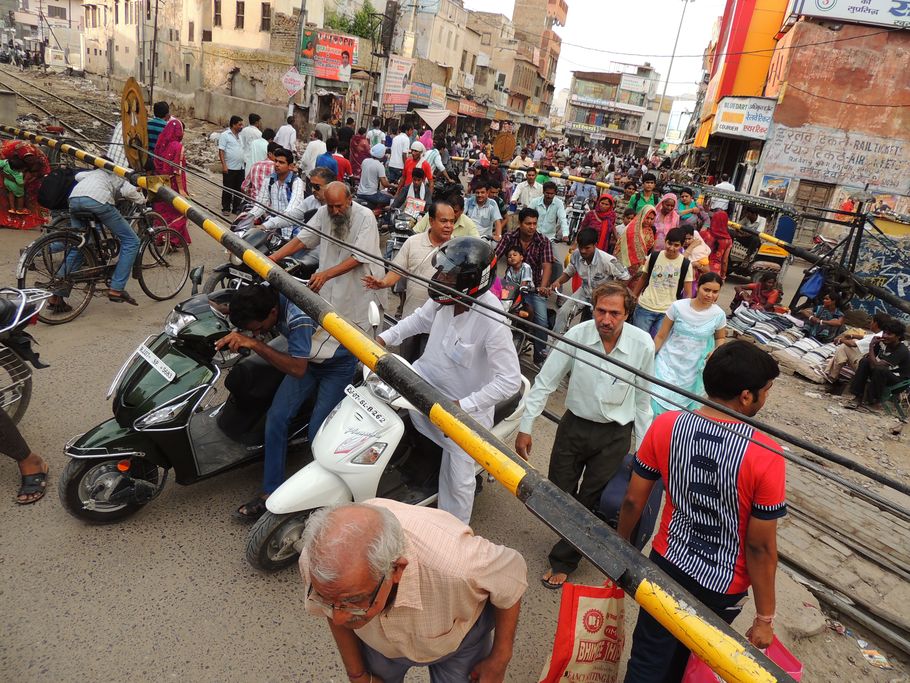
point(11, 441)
point(657, 657)
point(585, 457)
point(232, 180)
point(869, 383)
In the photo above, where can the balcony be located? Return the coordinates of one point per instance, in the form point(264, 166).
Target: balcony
point(557, 10)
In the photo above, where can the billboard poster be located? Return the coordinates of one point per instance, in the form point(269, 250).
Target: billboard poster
point(744, 117)
point(420, 93)
point(326, 55)
point(894, 13)
point(774, 187)
point(397, 90)
point(437, 95)
point(633, 83)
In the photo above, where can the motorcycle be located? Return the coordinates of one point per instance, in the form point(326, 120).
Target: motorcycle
point(19, 308)
point(168, 414)
point(752, 257)
point(822, 246)
point(575, 213)
point(366, 448)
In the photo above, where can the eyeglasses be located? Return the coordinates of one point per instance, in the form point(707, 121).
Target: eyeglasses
point(329, 608)
point(317, 186)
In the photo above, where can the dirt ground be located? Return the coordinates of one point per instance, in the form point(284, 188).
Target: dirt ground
point(178, 547)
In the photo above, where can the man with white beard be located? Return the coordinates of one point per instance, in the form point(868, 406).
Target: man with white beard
point(342, 269)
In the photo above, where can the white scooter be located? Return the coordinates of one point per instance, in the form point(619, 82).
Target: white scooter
point(366, 448)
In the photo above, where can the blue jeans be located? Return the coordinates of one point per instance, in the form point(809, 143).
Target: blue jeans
point(394, 174)
point(329, 379)
point(108, 215)
point(378, 198)
point(646, 320)
point(539, 304)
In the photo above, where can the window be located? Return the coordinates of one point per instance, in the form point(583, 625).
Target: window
point(206, 36)
point(191, 32)
point(126, 49)
point(265, 22)
point(186, 72)
point(56, 12)
point(116, 12)
point(485, 39)
point(238, 19)
point(216, 13)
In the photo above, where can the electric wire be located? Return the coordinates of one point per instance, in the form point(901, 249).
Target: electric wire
point(500, 313)
point(855, 104)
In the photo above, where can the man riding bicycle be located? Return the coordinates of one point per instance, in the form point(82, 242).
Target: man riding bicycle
point(96, 193)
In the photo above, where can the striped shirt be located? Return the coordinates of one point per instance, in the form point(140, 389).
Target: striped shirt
point(155, 126)
point(716, 479)
point(105, 188)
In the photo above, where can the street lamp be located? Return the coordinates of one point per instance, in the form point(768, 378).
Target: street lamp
point(663, 94)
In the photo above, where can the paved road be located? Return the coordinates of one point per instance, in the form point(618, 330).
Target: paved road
point(167, 593)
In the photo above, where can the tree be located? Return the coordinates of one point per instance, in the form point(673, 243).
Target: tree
point(361, 24)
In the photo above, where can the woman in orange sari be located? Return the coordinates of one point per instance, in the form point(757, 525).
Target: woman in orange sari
point(36, 168)
point(170, 159)
point(717, 236)
point(633, 247)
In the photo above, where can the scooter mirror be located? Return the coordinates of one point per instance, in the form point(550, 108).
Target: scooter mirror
point(196, 278)
point(375, 317)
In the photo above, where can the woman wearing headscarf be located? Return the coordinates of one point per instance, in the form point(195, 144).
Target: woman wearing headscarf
point(36, 168)
point(717, 236)
point(427, 139)
point(359, 150)
point(602, 218)
point(633, 249)
point(666, 219)
point(170, 160)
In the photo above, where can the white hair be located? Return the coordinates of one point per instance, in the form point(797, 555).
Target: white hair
point(328, 543)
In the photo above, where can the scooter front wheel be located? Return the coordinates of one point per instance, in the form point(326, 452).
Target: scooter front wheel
point(99, 492)
point(273, 543)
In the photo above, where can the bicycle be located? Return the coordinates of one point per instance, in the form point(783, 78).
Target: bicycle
point(162, 263)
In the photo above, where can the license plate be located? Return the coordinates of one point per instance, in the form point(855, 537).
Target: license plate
point(366, 404)
point(160, 366)
point(240, 274)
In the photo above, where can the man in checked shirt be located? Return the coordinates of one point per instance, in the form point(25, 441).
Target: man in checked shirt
point(404, 586)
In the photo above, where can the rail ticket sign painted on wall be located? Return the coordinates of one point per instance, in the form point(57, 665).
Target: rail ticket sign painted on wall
point(744, 117)
point(326, 55)
point(877, 12)
point(827, 155)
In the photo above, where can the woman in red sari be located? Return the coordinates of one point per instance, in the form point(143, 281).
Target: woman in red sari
point(633, 248)
point(717, 236)
point(171, 160)
point(36, 168)
point(602, 218)
point(359, 150)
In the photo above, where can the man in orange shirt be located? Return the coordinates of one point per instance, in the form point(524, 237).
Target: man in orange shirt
point(412, 162)
point(404, 586)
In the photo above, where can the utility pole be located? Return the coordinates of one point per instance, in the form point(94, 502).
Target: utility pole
point(154, 56)
point(663, 94)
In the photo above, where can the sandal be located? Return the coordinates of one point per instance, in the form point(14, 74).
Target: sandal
point(59, 307)
point(251, 510)
point(122, 298)
point(32, 485)
point(545, 580)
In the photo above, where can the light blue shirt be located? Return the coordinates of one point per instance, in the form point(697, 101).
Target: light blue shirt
point(230, 144)
point(551, 219)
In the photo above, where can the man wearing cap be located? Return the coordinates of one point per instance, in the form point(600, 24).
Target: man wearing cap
point(413, 161)
point(372, 177)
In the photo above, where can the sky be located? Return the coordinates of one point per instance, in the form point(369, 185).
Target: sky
point(642, 27)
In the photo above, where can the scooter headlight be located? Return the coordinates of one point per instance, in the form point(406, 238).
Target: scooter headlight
point(176, 321)
point(380, 389)
point(370, 455)
point(161, 415)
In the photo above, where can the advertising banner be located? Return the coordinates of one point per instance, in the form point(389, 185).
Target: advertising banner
point(292, 81)
point(829, 155)
point(326, 55)
point(397, 90)
point(744, 117)
point(633, 83)
point(420, 93)
point(437, 95)
point(878, 12)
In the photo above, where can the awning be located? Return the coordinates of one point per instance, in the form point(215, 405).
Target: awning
point(704, 132)
point(434, 117)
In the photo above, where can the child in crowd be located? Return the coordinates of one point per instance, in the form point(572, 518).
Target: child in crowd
point(518, 273)
point(14, 182)
point(620, 228)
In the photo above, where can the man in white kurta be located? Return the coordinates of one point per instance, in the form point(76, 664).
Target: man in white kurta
point(471, 359)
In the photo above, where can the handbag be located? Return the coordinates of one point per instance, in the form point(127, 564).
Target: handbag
point(589, 635)
point(699, 672)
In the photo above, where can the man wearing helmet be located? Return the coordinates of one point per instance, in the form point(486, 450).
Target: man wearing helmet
point(469, 356)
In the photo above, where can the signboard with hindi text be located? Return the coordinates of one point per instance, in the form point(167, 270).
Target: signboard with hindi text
point(894, 13)
point(397, 90)
point(744, 117)
point(829, 155)
point(326, 55)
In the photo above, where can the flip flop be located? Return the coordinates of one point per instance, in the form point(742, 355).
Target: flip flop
point(31, 484)
point(122, 298)
point(250, 511)
point(545, 580)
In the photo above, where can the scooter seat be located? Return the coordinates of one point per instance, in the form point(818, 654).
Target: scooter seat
point(505, 408)
point(7, 312)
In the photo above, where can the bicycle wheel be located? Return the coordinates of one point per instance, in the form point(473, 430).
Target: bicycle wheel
point(43, 267)
point(163, 264)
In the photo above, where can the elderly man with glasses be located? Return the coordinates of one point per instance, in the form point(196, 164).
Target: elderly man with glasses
point(405, 586)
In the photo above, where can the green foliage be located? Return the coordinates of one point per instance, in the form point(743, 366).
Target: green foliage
point(359, 25)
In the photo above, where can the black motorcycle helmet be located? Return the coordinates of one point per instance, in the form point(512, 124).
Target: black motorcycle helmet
point(472, 263)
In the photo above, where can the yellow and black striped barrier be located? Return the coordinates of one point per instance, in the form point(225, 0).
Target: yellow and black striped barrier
point(730, 655)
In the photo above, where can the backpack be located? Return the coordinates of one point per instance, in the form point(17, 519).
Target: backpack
point(289, 187)
point(683, 271)
point(55, 189)
point(633, 201)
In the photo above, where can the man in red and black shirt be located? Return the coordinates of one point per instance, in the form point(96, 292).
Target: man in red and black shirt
point(725, 491)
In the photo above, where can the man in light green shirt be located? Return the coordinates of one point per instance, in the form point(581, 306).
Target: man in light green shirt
point(464, 226)
point(595, 432)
